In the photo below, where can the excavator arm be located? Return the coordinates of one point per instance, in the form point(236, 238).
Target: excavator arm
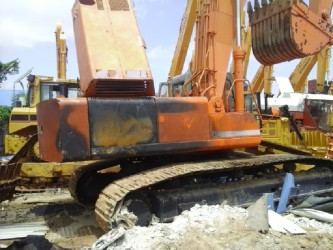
point(323, 67)
point(299, 77)
point(184, 37)
point(262, 80)
point(61, 52)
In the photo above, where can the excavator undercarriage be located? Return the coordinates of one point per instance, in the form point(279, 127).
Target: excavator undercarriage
point(167, 185)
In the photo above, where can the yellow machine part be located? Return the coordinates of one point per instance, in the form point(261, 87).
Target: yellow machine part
point(13, 143)
point(50, 169)
point(277, 130)
point(21, 118)
point(22, 121)
point(330, 147)
point(316, 142)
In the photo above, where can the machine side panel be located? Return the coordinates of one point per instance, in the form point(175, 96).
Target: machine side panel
point(182, 119)
point(122, 122)
point(63, 129)
point(236, 129)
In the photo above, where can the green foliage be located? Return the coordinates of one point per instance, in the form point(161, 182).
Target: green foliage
point(4, 114)
point(10, 68)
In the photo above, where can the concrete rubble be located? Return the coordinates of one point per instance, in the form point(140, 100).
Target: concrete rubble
point(72, 226)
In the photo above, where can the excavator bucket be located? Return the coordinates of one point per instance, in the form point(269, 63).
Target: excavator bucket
point(283, 30)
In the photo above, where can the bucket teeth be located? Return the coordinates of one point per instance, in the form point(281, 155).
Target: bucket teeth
point(256, 5)
point(249, 9)
point(276, 36)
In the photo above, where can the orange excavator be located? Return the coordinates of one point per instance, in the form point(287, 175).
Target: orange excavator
point(161, 155)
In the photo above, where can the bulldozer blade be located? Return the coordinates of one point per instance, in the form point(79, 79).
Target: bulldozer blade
point(10, 171)
point(9, 176)
point(283, 30)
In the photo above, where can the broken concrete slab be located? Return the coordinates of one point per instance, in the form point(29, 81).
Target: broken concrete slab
point(258, 215)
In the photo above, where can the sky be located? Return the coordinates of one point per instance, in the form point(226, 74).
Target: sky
point(27, 33)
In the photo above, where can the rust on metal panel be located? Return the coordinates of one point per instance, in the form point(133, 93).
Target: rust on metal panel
point(63, 129)
point(182, 119)
point(122, 122)
point(48, 116)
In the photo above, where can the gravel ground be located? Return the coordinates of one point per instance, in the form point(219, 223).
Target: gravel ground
point(72, 226)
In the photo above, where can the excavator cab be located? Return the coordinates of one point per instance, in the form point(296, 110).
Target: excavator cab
point(283, 30)
point(318, 113)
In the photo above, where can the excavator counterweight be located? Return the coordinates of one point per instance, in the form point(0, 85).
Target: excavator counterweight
point(286, 30)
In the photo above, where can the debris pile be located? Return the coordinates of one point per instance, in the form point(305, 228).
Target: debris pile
point(221, 227)
point(71, 226)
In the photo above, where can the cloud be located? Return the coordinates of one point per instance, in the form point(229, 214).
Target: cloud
point(159, 59)
point(141, 6)
point(29, 22)
point(161, 53)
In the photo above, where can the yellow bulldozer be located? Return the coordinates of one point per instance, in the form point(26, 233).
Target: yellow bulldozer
point(23, 118)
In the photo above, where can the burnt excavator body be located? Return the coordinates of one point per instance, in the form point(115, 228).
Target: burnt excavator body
point(284, 30)
point(160, 154)
point(116, 125)
point(94, 128)
point(124, 118)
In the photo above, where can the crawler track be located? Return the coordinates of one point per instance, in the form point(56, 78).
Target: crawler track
point(110, 199)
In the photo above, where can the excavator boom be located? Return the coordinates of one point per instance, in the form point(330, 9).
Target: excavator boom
point(61, 52)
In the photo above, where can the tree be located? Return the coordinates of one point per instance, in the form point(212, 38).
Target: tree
point(10, 68)
point(4, 114)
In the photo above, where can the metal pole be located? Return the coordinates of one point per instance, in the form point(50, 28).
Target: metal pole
point(238, 24)
point(239, 56)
